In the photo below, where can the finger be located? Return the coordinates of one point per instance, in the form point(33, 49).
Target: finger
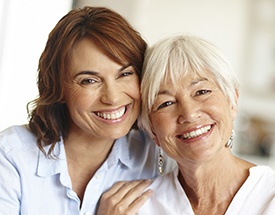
point(117, 193)
point(114, 189)
point(120, 189)
point(123, 208)
point(131, 191)
point(136, 205)
point(124, 196)
point(133, 198)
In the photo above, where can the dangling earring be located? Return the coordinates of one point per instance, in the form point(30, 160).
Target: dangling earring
point(230, 141)
point(160, 162)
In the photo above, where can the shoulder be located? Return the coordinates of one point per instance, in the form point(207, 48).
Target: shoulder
point(261, 182)
point(16, 137)
point(262, 171)
point(166, 181)
point(257, 194)
point(16, 131)
point(166, 188)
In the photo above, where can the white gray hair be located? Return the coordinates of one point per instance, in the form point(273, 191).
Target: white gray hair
point(176, 55)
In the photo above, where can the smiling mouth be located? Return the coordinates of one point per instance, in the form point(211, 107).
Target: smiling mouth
point(112, 115)
point(195, 133)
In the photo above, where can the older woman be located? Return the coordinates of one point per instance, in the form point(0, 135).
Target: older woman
point(77, 143)
point(190, 98)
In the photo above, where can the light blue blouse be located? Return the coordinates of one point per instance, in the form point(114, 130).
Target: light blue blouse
point(31, 184)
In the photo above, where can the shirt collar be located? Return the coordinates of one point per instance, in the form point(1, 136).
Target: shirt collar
point(51, 166)
point(120, 152)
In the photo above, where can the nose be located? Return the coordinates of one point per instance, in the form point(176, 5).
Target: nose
point(188, 112)
point(110, 93)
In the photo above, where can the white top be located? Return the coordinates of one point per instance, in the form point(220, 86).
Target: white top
point(255, 197)
point(31, 184)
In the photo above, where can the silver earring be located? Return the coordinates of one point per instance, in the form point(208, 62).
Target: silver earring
point(230, 141)
point(160, 162)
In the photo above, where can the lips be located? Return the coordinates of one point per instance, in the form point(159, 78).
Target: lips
point(113, 115)
point(195, 133)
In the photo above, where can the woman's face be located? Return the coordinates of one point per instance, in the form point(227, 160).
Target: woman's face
point(102, 96)
point(192, 119)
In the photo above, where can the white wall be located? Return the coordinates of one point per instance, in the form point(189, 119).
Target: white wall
point(24, 27)
point(220, 21)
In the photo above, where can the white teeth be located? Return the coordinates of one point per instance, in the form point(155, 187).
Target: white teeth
point(112, 115)
point(196, 133)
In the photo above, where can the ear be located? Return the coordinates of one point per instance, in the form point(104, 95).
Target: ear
point(234, 108)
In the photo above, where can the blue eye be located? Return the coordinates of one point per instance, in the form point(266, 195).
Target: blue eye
point(165, 104)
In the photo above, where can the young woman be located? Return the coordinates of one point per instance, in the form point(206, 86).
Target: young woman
point(76, 145)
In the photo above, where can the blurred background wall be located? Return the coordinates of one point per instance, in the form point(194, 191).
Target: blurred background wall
point(243, 29)
point(24, 28)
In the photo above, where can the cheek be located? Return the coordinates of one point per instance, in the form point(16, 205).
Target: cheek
point(78, 99)
point(220, 109)
point(161, 125)
point(136, 95)
point(133, 89)
point(224, 116)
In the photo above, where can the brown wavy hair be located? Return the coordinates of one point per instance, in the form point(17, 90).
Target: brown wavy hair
point(48, 115)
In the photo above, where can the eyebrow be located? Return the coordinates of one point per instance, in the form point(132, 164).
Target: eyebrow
point(166, 92)
point(91, 72)
point(197, 81)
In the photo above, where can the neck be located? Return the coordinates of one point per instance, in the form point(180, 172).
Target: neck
point(85, 154)
point(213, 183)
point(82, 147)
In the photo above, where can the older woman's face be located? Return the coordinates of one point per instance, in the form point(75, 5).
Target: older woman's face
point(192, 119)
point(102, 96)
